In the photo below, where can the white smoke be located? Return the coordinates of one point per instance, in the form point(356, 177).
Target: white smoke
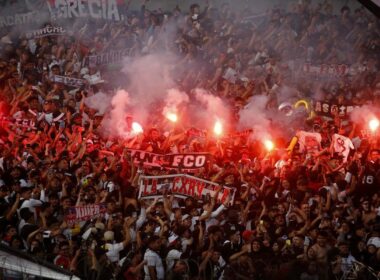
point(214, 105)
point(115, 123)
point(174, 98)
point(150, 79)
point(255, 116)
point(363, 114)
point(286, 94)
point(99, 101)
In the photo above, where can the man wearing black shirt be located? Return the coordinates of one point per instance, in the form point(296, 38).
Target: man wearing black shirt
point(232, 245)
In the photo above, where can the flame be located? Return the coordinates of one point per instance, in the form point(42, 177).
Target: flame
point(137, 128)
point(374, 124)
point(218, 128)
point(172, 117)
point(269, 145)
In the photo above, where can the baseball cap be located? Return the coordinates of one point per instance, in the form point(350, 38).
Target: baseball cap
point(173, 238)
point(374, 241)
point(186, 216)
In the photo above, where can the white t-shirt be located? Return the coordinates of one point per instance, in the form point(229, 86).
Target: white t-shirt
point(309, 141)
point(153, 259)
point(113, 251)
point(172, 256)
point(342, 145)
point(347, 263)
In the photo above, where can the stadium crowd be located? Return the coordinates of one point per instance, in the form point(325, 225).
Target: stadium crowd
point(299, 211)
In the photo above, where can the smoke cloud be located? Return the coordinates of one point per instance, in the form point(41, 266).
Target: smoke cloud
point(214, 108)
point(149, 79)
point(115, 123)
point(99, 101)
point(364, 113)
point(255, 116)
point(173, 99)
point(214, 105)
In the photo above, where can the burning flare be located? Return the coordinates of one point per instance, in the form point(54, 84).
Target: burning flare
point(373, 124)
point(137, 128)
point(269, 145)
point(218, 128)
point(172, 117)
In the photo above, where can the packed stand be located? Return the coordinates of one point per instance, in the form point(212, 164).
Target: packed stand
point(295, 214)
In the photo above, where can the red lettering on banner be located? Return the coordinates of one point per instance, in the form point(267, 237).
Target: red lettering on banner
point(200, 188)
point(146, 184)
point(79, 212)
point(182, 189)
point(154, 187)
point(191, 189)
point(226, 192)
point(176, 181)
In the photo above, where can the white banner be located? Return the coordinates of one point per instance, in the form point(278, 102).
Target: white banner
point(105, 58)
point(331, 70)
point(97, 9)
point(182, 186)
point(18, 19)
point(21, 123)
point(47, 31)
point(68, 81)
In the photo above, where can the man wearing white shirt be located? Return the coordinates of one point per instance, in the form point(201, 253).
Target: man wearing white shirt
point(174, 254)
point(154, 269)
point(346, 258)
point(210, 216)
point(26, 199)
point(113, 249)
